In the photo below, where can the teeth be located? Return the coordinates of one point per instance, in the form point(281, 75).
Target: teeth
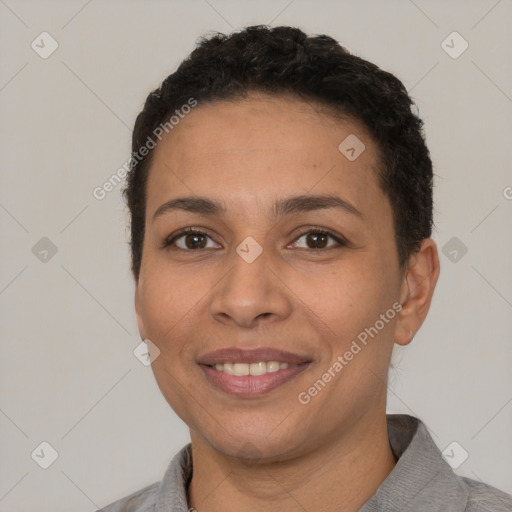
point(259, 368)
point(244, 369)
point(228, 368)
point(273, 366)
point(240, 369)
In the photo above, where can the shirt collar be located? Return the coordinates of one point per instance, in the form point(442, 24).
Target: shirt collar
point(420, 477)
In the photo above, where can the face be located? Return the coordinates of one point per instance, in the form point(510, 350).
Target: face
point(292, 286)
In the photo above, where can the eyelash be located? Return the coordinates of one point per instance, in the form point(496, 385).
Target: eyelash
point(312, 230)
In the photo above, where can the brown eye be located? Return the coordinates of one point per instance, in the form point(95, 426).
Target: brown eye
point(189, 240)
point(194, 241)
point(317, 239)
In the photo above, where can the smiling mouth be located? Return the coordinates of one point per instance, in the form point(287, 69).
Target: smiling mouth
point(251, 380)
point(257, 368)
point(251, 373)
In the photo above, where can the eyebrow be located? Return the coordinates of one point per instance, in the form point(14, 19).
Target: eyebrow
point(282, 207)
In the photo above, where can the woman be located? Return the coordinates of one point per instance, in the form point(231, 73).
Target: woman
point(280, 194)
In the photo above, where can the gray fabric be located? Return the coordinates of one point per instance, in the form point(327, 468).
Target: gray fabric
point(421, 481)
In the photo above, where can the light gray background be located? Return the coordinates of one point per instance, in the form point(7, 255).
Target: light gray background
point(68, 373)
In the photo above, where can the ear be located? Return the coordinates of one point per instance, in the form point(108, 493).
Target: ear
point(138, 312)
point(416, 292)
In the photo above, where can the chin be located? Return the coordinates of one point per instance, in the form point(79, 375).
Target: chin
point(255, 437)
point(254, 451)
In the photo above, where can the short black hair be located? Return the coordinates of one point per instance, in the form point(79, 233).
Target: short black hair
point(283, 61)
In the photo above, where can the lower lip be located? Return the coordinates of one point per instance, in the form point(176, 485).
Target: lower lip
point(249, 386)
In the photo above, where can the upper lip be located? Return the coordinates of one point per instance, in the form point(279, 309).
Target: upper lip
point(238, 355)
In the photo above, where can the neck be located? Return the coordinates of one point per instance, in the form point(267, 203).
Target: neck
point(341, 476)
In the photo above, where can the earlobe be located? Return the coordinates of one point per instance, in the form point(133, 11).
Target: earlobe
point(417, 290)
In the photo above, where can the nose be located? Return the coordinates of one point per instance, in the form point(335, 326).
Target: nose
point(250, 292)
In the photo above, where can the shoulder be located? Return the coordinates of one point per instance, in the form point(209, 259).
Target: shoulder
point(169, 494)
point(141, 501)
point(485, 498)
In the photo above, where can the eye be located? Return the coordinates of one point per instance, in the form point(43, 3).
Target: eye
point(318, 238)
point(192, 240)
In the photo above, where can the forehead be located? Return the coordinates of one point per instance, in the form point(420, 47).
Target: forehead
point(245, 152)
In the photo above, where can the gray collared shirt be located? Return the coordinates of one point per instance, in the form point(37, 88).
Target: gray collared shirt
point(421, 481)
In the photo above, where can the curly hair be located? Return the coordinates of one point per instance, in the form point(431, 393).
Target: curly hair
point(286, 61)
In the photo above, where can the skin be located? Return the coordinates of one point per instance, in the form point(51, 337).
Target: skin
point(271, 452)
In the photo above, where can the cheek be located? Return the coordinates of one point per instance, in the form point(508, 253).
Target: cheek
point(362, 314)
point(168, 311)
point(358, 339)
point(168, 292)
point(164, 307)
point(349, 298)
